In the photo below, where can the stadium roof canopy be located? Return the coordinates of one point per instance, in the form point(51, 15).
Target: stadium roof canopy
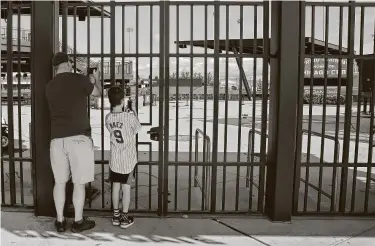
point(81, 10)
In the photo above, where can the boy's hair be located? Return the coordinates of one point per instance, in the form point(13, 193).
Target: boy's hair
point(115, 95)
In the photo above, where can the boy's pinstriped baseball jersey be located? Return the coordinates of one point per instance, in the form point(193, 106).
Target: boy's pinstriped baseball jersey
point(123, 127)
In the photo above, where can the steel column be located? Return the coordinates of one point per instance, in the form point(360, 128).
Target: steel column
point(285, 24)
point(44, 37)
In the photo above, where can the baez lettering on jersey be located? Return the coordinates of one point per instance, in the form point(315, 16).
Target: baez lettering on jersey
point(116, 125)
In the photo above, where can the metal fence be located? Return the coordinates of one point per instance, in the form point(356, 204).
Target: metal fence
point(219, 40)
point(341, 172)
point(16, 159)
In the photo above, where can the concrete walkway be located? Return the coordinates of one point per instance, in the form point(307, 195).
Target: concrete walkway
point(25, 229)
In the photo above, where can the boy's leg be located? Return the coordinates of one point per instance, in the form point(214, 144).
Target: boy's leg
point(126, 220)
point(125, 198)
point(115, 201)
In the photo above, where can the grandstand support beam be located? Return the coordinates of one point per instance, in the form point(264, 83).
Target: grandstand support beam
point(44, 20)
point(243, 75)
point(283, 116)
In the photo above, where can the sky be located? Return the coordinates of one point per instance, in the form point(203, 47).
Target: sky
point(145, 37)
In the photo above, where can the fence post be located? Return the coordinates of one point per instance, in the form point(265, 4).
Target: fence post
point(44, 31)
point(285, 28)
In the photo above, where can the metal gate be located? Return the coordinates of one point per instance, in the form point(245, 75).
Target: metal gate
point(198, 160)
point(334, 161)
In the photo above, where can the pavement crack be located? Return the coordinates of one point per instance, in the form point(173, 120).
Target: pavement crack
point(240, 232)
point(353, 236)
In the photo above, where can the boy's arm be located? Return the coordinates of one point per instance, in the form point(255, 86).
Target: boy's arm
point(136, 125)
point(107, 122)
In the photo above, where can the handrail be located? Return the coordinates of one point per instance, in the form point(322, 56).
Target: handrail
point(206, 174)
point(317, 134)
point(249, 168)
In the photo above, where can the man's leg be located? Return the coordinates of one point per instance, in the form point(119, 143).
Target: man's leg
point(59, 198)
point(61, 173)
point(81, 159)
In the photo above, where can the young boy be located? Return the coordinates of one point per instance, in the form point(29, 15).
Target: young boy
point(123, 126)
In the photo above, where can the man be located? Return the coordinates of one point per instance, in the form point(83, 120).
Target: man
point(72, 148)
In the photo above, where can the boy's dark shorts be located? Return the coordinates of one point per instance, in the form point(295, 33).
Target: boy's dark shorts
point(121, 178)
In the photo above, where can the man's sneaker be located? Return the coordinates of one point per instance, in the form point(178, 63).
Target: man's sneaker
point(60, 226)
point(116, 220)
point(86, 224)
point(126, 221)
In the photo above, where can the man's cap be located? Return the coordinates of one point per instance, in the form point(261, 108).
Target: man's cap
point(58, 58)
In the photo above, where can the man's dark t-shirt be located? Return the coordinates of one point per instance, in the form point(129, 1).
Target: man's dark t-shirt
point(67, 99)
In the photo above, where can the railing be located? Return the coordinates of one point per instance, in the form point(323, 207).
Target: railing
point(206, 170)
point(250, 169)
point(336, 180)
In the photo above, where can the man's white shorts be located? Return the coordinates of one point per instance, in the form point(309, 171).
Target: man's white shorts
point(73, 156)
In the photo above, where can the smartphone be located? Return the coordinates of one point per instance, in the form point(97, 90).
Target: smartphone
point(91, 70)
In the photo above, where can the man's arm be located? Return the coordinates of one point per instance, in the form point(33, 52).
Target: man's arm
point(97, 91)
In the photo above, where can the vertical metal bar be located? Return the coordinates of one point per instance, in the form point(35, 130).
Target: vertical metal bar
point(337, 127)
point(371, 138)
point(64, 32)
point(177, 106)
point(151, 52)
point(226, 105)
point(151, 98)
point(307, 168)
point(19, 102)
point(112, 40)
point(123, 44)
point(161, 107)
point(251, 171)
point(136, 92)
point(166, 111)
point(265, 92)
point(102, 100)
point(204, 184)
point(75, 38)
point(358, 120)
point(2, 182)
point(89, 98)
point(324, 116)
point(301, 74)
point(239, 112)
point(348, 108)
point(10, 103)
point(215, 132)
point(191, 105)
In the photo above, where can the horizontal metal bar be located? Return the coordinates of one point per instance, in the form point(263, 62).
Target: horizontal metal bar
point(362, 57)
point(108, 4)
point(221, 3)
point(17, 55)
point(223, 55)
point(117, 55)
point(339, 4)
point(27, 160)
point(326, 213)
point(317, 164)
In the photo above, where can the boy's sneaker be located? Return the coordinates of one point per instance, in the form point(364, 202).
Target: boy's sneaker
point(116, 220)
point(85, 224)
point(60, 226)
point(126, 221)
